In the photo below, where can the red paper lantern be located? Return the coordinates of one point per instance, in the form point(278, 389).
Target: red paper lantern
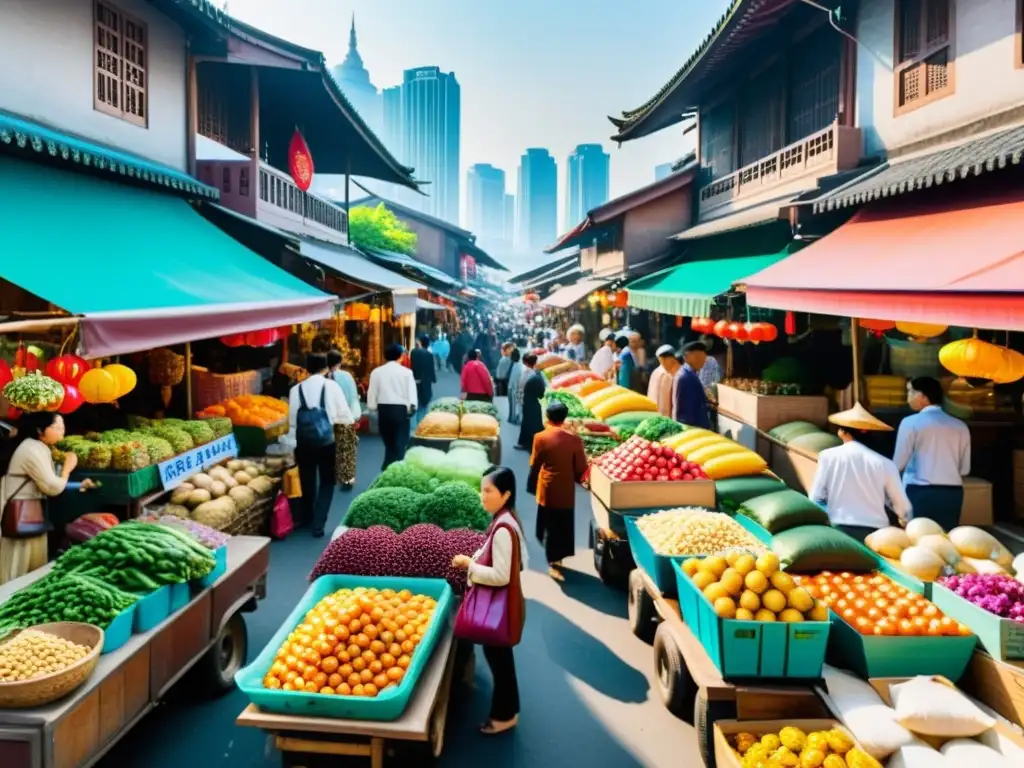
point(284, 331)
point(756, 332)
point(702, 325)
point(737, 332)
point(262, 338)
point(721, 329)
point(72, 400)
point(771, 333)
point(67, 369)
point(790, 323)
point(679, 321)
point(877, 326)
point(6, 376)
point(300, 162)
point(234, 340)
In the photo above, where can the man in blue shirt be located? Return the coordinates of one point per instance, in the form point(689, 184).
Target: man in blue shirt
point(689, 402)
point(627, 361)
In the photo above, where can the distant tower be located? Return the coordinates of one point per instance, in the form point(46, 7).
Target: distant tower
point(355, 83)
point(586, 182)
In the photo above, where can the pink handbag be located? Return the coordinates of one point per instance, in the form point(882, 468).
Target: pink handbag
point(494, 615)
point(281, 523)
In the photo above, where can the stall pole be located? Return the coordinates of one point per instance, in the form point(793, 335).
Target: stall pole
point(188, 379)
point(855, 344)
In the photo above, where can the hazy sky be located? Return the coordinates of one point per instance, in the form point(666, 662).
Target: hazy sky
point(534, 73)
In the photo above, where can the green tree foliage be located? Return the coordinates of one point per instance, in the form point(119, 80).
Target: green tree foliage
point(379, 229)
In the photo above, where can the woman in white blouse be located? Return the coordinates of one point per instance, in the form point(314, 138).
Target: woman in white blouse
point(508, 551)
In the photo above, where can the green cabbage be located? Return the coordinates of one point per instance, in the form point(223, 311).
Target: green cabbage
point(401, 474)
point(454, 505)
point(425, 459)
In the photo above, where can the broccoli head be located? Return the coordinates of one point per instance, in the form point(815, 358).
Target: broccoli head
point(454, 505)
point(397, 508)
point(402, 475)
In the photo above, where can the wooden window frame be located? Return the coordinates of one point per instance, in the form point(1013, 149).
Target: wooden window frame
point(99, 105)
point(922, 55)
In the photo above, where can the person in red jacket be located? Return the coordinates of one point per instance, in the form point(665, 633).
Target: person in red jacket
point(476, 379)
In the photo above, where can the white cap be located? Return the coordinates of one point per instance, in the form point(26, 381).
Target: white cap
point(605, 333)
point(665, 349)
point(576, 328)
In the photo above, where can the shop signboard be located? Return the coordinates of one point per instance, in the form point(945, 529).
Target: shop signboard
point(177, 470)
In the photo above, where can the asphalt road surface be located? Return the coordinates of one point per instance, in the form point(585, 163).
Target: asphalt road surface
point(586, 683)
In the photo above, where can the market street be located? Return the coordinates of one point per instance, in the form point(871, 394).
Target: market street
point(585, 681)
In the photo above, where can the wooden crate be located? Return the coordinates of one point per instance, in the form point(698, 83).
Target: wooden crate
point(640, 495)
point(769, 411)
point(726, 730)
point(793, 466)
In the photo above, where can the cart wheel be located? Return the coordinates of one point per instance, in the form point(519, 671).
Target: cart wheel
point(705, 715)
point(640, 607)
point(226, 656)
point(675, 684)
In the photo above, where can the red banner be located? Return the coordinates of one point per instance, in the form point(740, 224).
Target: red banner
point(300, 162)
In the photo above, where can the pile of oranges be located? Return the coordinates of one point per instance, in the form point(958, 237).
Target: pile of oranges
point(874, 605)
point(355, 642)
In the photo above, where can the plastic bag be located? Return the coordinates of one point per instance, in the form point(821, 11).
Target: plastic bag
point(281, 523)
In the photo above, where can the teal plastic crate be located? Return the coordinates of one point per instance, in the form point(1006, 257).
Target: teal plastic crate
point(753, 649)
point(904, 579)
point(1001, 638)
point(221, 555)
point(180, 596)
point(119, 631)
point(754, 529)
point(386, 706)
point(658, 567)
point(152, 609)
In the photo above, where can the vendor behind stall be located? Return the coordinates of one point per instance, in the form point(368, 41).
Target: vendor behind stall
point(933, 450)
point(854, 483)
point(660, 387)
point(575, 349)
point(689, 400)
point(604, 359)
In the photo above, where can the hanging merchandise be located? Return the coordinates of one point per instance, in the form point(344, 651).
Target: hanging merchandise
point(6, 376)
point(67, 369)
point(974, 358)
point(98, 386)
point(34, 392)
point(721, 329)
point(621, 300)
point(300, 162)
point(877, 327)
point(72, 400)
point(123, 376)
point(702, 325)
point(755, 332)
point(790, 323)
point(738, 332)
point(233, 340)
point(263, 338)
point(921, 330)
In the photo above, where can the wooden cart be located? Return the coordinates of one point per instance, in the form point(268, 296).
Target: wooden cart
point(300, 739)
point(209, 634)
point(613, 560)
point(689, 683)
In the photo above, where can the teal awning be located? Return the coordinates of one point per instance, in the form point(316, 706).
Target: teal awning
point(144, 269)
point(689, 289)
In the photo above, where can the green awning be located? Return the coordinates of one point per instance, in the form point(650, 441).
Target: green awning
point(142, 268)
point(689, 289)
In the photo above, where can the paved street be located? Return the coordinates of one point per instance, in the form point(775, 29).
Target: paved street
point(585, 681)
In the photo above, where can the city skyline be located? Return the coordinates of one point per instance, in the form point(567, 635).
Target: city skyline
point(486, 203)
point(537, 200)
point(586, 181)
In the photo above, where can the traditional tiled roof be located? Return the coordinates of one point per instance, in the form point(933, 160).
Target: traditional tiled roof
point(24, 136)
point(545, 268)
point(742, 20)
point(942, 166)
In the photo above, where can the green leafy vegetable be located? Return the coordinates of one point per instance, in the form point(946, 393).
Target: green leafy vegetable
point(658, 427)
point(403, 475)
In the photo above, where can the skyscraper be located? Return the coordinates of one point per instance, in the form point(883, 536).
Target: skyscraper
point(508, 229)
point(485, 202)
point(422, 126)
point(355, 83)
point(662, 170)
point(537, 223)
point(586, 182)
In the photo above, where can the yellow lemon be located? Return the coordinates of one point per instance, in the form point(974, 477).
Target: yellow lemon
point(799, 599)
point(768, 563)
point(834, 761)
point(750, 600)
point(819, 612)
point(764, 615)
point(774, 601)
point(770, 741)
point(791, 616)
point(732, 581)
point(731, 555)
point(716, 564)
point(742, 614)
point(691, 566)
point(703, 579)
point(744, 564)
point(725, 607)
point(782, 581)
point(715, 591)
point(756, 582)
point(811, 758)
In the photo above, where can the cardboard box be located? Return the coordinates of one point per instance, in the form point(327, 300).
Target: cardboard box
point(977, 507)
point(726, 730)
point(769, 411)
point(640, 494)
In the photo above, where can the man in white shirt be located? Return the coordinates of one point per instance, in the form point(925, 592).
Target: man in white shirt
point(604, 359)
point(854, 483)
point(933, 450)
point(660, 389)
point(392, 393)
point(315, 453)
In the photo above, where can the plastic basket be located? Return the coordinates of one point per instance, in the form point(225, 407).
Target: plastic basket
point(389, 704)
point(658, 567)
point(221, 555)
point(119, 631)
point(1001, 638)
point(180, 596)
point(121, 486)
point(152, 609)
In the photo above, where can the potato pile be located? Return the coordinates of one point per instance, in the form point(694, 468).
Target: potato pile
point(32, 654)
point(214, 497)
point(695, 531)
point(792, 748)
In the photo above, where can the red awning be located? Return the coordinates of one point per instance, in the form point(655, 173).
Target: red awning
point(954, 263)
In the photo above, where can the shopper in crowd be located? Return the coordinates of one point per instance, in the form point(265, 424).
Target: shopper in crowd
point(690, 402)
point(933, 450)
point(626, 361)
point(422, 364)
point(532, 384)
point(497, 564)
point(501, 371)
point(854, 483)
point(27, 481)
point(575, 349)
point(314, 407)
point(346, 439)
point(440, 348)
point(557, 463)
point(475, 381)
point(515, 404)
point(392, 393)
point(659, 389)
point(603, 361)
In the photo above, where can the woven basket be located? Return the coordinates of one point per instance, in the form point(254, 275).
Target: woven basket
point(212, 388)
point(43, 690)
point(254, 521)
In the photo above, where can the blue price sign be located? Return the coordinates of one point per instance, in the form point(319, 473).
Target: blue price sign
point(174, 472)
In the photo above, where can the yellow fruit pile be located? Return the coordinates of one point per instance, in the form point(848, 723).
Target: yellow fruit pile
point(743, 587)
point(34, 654)
point(355, 642)
point(695, 531)
point(792, 748)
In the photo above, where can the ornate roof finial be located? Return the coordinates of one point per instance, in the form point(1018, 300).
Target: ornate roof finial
point(352, 33)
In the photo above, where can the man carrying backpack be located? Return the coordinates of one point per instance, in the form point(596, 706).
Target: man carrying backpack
point(314, 407)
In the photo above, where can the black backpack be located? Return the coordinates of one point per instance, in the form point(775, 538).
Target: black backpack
point(313, 428)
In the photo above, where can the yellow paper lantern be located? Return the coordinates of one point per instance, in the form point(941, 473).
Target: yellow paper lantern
point(98, 386)
point(974, 358)
point(124, 376)
point(921, 330)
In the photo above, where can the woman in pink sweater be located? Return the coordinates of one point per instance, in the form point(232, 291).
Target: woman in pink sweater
point(476, 379)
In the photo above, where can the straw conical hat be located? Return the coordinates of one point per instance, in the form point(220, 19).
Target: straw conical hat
point(859, 418)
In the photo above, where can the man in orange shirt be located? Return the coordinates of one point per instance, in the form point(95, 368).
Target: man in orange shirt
point(557, 464)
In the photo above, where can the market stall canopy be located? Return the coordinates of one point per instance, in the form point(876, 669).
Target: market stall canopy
point(411, 262)
point(356, 268)
point(524, 277)
point(754, 216)
point(958, 262)
point(430, 306)
point(689, 290)
point(565, 297)
point(159, 274)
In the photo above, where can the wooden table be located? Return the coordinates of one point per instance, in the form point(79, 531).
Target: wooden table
point(423, 720)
